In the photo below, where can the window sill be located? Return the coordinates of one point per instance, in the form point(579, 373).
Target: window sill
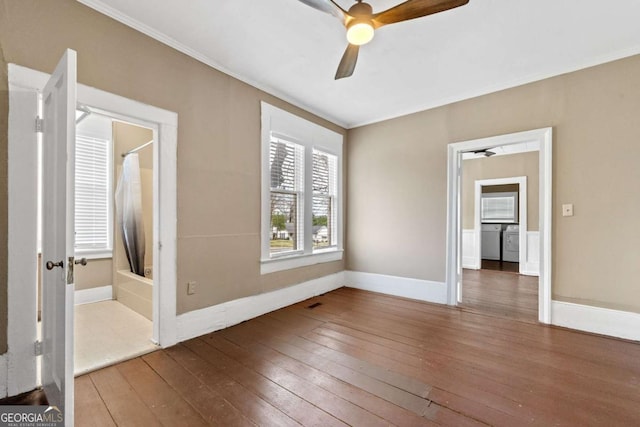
point(296, 261)
point(89, 254)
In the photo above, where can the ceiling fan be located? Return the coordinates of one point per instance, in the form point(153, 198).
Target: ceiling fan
point(361, 22)
point(485, 152)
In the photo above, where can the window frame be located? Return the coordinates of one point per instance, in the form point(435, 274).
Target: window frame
point(289, 127)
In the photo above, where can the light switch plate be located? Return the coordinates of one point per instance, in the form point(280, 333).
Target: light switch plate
point(191, 288)
point(567, 210)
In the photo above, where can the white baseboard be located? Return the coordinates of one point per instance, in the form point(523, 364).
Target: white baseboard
point(470, 264)
point(199, 322)
point(86, 296)
point(423, 290)
point(532, 266)
point(3, 376)
point(615, 323)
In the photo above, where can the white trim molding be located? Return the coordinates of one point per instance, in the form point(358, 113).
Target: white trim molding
point(199, 322)
point(541, 136)
point(91, 295)
point(597, 320)
point(422, 290)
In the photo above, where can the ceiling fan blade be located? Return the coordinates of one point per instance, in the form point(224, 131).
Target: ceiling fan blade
point(327, 6)
point(348, 62)
point(412, 9)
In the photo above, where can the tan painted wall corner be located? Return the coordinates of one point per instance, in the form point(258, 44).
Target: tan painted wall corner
point(397, 182)
point(218, 140)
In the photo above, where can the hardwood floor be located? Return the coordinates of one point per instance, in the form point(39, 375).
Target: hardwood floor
point(366, 359)
point(500, 293)
point(488, 264)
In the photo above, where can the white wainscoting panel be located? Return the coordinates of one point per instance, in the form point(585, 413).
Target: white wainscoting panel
point(199, 322)
point(532, 266)
point(86, 296)
point(423, 290)
point(615, 323)
point(469, 249)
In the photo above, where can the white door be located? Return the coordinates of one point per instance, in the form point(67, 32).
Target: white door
point(58, 151)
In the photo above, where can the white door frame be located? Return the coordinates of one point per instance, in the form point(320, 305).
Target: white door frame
point(522, 218)
point(24, 86)
point(542, 136)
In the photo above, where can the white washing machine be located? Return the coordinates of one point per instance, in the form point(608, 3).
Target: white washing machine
point(511, 243)
point(490, 248)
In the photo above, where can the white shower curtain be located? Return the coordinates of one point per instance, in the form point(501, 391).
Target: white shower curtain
point(129, 212)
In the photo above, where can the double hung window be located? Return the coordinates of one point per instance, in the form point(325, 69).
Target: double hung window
point(301, 192)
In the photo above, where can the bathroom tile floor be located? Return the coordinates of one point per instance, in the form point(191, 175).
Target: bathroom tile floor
point(108, 332)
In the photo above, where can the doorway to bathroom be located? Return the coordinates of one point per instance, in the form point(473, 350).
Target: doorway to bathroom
point(29, 349)
point(114, 189)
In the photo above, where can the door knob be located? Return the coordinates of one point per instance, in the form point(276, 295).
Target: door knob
point(81, 261)
point(51, 265)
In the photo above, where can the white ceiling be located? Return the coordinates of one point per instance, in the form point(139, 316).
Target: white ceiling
point(292, 50)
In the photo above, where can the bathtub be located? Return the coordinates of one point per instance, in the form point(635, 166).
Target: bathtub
point(136, 292)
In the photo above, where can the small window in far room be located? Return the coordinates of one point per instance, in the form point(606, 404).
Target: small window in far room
point(93, 204)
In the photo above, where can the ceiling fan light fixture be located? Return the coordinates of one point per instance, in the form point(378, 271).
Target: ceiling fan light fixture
point(359, 32)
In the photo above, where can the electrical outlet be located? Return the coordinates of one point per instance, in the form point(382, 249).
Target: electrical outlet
point(567, 210)
point(191, 288)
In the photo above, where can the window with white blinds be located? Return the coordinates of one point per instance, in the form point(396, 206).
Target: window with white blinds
point(301, 192)
point(93, 200)
point(286, 160)
point(325, 190)
point(499, 207)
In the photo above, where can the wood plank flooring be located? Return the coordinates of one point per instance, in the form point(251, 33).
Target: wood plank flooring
point(500, 293)
point(366, 359)
point(488, 264)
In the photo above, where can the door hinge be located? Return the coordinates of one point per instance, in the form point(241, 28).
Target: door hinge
point(37, 348)
point(39, 124)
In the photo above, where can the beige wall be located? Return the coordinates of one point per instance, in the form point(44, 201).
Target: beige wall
point(96, 273)
point(218, 141)
point(523, 164)
point(397, 182)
